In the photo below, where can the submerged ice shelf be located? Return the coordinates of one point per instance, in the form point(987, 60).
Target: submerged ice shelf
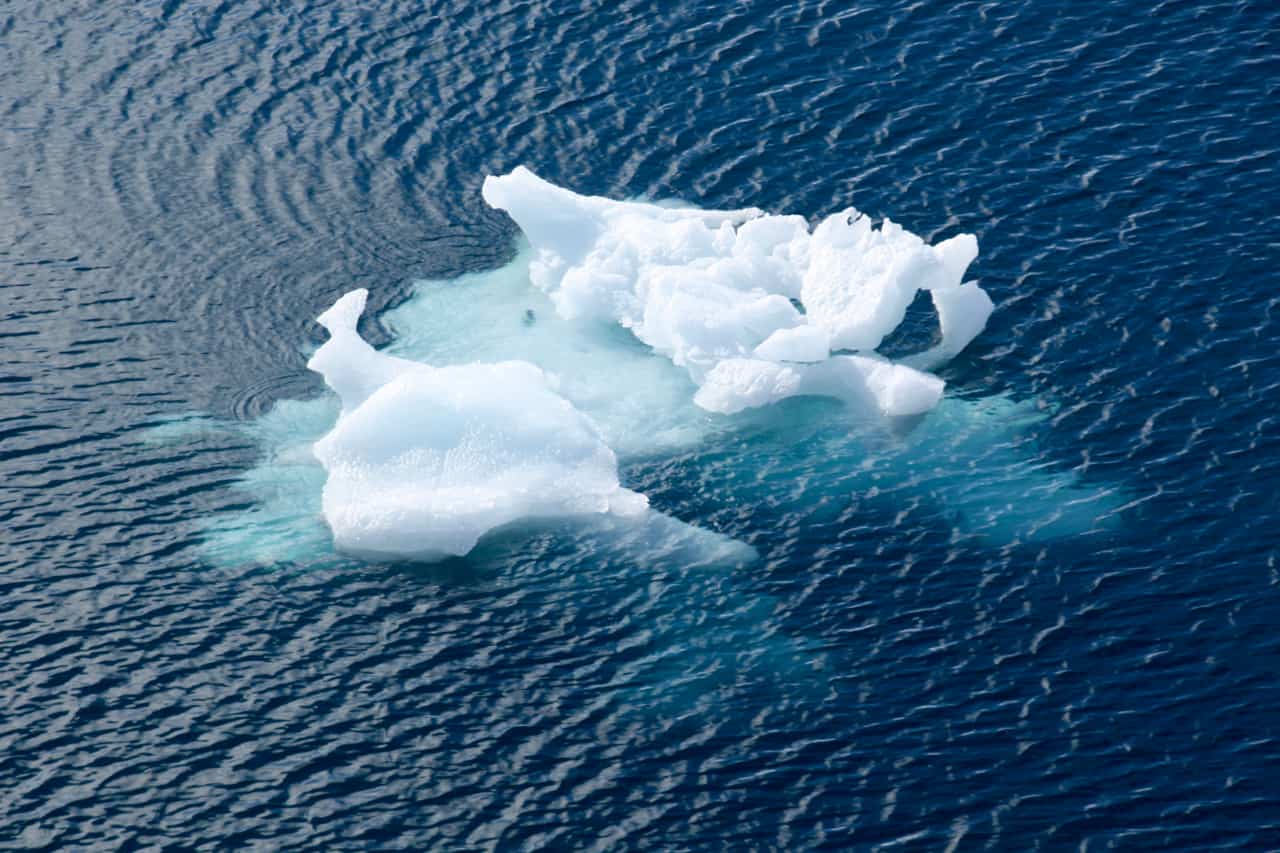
point(632, 331)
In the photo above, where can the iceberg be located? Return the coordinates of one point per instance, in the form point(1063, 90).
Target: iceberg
point(755, 307)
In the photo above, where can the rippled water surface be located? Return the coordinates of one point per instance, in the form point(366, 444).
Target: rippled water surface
point(1046, 618)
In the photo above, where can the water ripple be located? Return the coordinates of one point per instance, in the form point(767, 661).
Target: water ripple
point(186, 183)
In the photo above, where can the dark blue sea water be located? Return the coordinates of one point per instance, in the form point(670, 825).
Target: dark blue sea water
point(910, 664)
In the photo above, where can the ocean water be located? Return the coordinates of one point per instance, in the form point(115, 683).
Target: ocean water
point(1045, 618)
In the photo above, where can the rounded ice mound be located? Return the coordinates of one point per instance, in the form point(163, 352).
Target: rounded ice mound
point(755, 307)
point(423, 461)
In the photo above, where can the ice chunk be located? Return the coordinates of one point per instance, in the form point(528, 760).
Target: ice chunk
point(697, 321)
point(860, 280)
point(962, 315)
point(748, 383)
point(751, 305)
point(423, 461)
point(956, 254)
point(799, 343)
point(570, 225)
point(865, 382)
point(350, 366)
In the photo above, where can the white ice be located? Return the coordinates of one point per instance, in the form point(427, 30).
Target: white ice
point(423, 461)
point(975, 460)
point(499, 405)
point(754, 307)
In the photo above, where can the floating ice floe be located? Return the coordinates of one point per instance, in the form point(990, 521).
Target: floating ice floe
point(423, 460)
point(756, 307)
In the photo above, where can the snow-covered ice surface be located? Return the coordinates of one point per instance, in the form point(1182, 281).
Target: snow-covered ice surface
point(629, 333)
